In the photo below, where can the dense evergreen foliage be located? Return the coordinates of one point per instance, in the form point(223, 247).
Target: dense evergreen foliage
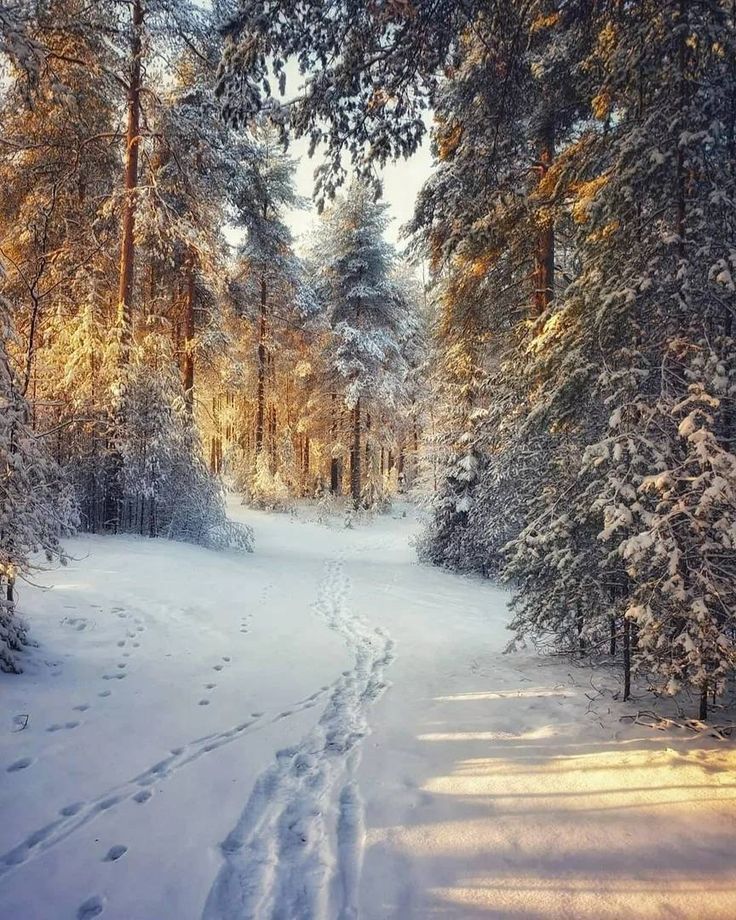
point(166, 332)
point(579, 222)
point(564, 398)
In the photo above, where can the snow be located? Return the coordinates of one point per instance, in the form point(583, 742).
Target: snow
point(365, 748)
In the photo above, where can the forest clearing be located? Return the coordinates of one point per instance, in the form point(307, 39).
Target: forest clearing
point(365, 749)
point(367, 459)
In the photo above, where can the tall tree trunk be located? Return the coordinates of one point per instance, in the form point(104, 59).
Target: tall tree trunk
point(260, 411)
point(189, 333)
point(355, 476)
point(335, 476)
point(544, 272)
point(627, 658)
point(305, 466)
point(579, 625)
point(335, 461)
point(703, 709)
point(681, 216)
point(728, 411)
point(272, 435)
point(132, 143)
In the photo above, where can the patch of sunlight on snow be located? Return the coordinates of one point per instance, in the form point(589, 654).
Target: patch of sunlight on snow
point(583, 835)
point(588, 899)
point(544, 731)
point(504, 694)
point(586, 782)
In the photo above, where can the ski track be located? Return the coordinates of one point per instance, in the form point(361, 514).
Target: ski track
point(296, 851)
point(77, 814)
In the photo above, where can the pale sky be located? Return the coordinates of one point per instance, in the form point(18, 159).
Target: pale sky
point(402, 181)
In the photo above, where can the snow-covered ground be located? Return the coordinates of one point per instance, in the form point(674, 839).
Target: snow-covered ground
point(328, 729)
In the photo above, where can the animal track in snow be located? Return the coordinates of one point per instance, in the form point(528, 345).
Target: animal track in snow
point(68, 810)
point(114, 853)
point(104, 693)
point(19, 765)
point(78, 814)
point(92, 907)
point(58, 726)
point(83, 707)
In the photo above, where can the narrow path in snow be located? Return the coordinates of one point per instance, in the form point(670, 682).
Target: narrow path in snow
point(299, 840)
point(328, 730)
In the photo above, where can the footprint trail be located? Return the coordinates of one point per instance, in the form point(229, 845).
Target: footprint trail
point(297, 848)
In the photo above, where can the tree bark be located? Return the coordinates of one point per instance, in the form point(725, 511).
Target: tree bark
point(703, 710)
point(272, 435)
point(627, 659)
point(260, 412)
point(335, 461)
point(305, 466)
point(132, 142)
point(355, 472)
point(681, 215)
point(544, 272)
point(189, 334)
point(579, 624)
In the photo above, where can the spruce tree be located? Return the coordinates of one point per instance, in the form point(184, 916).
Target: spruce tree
point(363, 309)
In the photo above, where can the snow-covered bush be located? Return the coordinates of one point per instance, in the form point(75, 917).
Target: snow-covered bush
point(166, 488)
point(36, 506)
point(267, 489)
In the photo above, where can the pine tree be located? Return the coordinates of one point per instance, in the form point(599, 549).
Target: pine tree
point(364, 314)
point(60, 222)
point(272, 292)
point(645, 329)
